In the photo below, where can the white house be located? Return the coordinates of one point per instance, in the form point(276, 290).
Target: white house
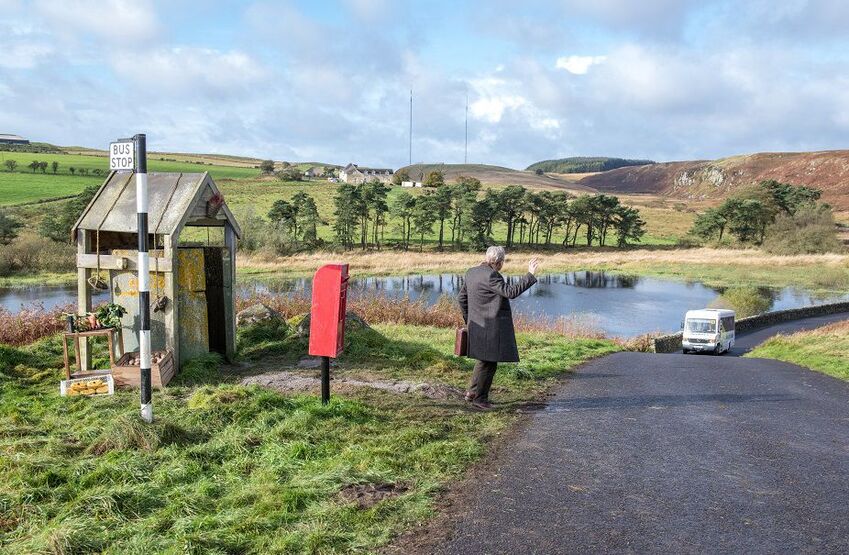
point(411, 184)
point(315, 171)
point(355, 174)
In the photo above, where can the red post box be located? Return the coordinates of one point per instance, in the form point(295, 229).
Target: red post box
point(327, 317)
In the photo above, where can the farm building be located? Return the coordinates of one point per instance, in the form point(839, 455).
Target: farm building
point(355, 174)
point(315, 171)
point(192, 261)
point(6, 139)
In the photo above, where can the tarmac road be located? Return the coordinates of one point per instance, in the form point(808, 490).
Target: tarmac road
point(669, 453)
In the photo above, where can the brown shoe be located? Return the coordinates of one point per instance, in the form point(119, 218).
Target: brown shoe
point(482, 404)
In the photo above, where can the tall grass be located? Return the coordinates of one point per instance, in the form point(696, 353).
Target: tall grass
point(444, 313)
point(34, 322)
point(30, 324)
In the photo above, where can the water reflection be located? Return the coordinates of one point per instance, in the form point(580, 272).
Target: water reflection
point(14, 299)
point(619, 305)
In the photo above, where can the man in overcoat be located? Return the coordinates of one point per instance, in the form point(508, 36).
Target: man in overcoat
point(485, 301)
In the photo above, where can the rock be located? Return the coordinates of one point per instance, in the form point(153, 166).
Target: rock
point(255, 314)
point(369, 495)
point(352, 322)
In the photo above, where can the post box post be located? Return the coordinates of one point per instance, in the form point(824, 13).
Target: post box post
point(325, 380)
point(327, 318)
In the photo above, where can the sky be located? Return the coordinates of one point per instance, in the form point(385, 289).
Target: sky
point(331, 81)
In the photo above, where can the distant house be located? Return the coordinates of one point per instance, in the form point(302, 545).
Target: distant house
point(6, 139)
point(315, 171)
point(352, 173)
point(411, 184)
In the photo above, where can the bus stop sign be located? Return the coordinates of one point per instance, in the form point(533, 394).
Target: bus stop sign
point(122, 156)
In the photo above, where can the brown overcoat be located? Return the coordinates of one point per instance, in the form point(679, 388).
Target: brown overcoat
point(485, 301)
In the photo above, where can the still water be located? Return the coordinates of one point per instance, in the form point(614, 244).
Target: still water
point(618, 305)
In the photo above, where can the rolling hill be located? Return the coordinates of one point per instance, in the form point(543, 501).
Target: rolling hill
point(584, 164)
point(494, 175)
point(709, 179)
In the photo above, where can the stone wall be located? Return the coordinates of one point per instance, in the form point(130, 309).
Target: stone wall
point(672, 342)
point(668, 343)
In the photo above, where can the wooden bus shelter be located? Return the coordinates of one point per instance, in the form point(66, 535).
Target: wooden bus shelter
point(192, 269)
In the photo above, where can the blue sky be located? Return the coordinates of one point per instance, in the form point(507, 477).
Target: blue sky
point(330, 81)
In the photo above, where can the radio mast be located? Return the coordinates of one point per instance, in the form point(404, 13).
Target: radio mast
point(411, 127)
point(466, 148)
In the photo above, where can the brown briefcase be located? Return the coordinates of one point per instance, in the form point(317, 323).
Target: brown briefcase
point(461, 342)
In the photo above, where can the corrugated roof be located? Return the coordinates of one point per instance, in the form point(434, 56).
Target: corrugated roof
point(171, 199)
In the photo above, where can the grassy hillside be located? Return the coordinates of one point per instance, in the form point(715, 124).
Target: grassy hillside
point(585, 164)
point(493, 175)
point(716, 179)
point(20, 188)
point(23, 185)
point(665, 221)
point(824, 349)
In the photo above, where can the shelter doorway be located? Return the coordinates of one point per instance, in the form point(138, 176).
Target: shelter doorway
point(214, 269)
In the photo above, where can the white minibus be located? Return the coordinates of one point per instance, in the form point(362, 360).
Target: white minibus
point(709, 330)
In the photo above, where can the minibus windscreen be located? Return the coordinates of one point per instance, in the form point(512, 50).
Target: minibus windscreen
point(701, 325)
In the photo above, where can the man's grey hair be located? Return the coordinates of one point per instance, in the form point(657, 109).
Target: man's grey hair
point(495, 255)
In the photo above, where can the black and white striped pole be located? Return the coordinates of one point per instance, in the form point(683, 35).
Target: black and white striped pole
point(140, 141)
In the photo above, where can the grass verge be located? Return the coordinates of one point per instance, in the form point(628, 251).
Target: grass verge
point(824, 349)
point(234, 469)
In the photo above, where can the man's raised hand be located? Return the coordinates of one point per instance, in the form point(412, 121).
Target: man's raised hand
point(533, 265)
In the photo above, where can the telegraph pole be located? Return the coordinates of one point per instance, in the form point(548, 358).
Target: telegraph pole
point(411, 127)
point(140, 141)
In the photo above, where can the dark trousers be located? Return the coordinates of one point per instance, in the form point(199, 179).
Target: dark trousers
point(482, 379)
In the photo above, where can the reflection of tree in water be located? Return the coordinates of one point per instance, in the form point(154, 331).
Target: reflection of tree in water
point(598, 280)
point(746, 300)
point(274, 287)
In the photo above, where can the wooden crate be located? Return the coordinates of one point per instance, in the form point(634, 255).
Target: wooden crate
point(127, 375)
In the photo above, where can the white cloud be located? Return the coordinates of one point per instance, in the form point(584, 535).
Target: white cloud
point(371, 11)
point(579, 65)
point(22, 47)
point(23, 55)
point(283, 81)
point(125, 21)
point(199, 72)
point(492, 108)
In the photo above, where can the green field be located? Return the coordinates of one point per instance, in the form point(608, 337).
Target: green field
point(23, 185)
point(19, 188)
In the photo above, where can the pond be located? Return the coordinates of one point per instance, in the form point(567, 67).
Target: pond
point(48, 296)
point(621, 306)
